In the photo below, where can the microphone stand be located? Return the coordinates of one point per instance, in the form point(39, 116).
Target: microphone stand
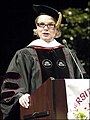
point(65, 43)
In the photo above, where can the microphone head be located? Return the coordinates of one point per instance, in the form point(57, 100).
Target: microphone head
point(64, 41)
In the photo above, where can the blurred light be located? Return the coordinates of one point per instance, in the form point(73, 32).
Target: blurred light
point(71, 38)
point(70, 13)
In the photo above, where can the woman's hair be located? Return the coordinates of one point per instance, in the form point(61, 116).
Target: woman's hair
point(58, 33)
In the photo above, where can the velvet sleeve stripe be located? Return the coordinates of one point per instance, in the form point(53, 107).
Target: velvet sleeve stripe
point(11, 75)
point(9, 102)
point(7, 94)
point(10, 85)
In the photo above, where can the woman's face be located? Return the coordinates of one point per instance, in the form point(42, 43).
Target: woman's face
point(46, 27)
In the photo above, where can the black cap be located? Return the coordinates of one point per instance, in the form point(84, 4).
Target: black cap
point(43, 9)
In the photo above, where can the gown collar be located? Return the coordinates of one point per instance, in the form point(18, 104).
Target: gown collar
point(42, 43)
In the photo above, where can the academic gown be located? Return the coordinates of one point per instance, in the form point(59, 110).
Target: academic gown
point(28, 70)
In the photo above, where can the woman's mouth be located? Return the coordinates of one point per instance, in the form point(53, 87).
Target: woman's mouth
point(45, 34)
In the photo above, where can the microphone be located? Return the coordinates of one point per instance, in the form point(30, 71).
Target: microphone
point(36, 115)
point(65, 43)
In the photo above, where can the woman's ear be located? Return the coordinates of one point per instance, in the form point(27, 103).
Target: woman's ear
point(35, 32)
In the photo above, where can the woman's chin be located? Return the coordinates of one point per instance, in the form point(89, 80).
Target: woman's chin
point(46, 38)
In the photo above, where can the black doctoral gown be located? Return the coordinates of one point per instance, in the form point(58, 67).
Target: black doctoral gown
point(29, 68)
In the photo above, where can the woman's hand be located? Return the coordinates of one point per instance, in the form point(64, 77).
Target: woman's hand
point(25, 100)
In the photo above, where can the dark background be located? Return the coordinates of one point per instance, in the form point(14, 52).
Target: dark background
point(17, 23)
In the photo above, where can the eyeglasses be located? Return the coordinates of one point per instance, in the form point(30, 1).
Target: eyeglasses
point(42, 25)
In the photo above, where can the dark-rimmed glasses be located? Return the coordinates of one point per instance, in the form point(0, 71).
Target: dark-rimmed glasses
point(49, 25)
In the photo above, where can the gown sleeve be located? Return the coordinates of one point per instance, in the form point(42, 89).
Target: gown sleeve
point(16, 81)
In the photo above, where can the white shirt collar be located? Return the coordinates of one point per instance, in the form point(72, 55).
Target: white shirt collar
point(42, 43)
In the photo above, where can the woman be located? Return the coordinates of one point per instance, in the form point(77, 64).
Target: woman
point(41, 59)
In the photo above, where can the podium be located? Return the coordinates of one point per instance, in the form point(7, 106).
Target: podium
point(47, 102)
